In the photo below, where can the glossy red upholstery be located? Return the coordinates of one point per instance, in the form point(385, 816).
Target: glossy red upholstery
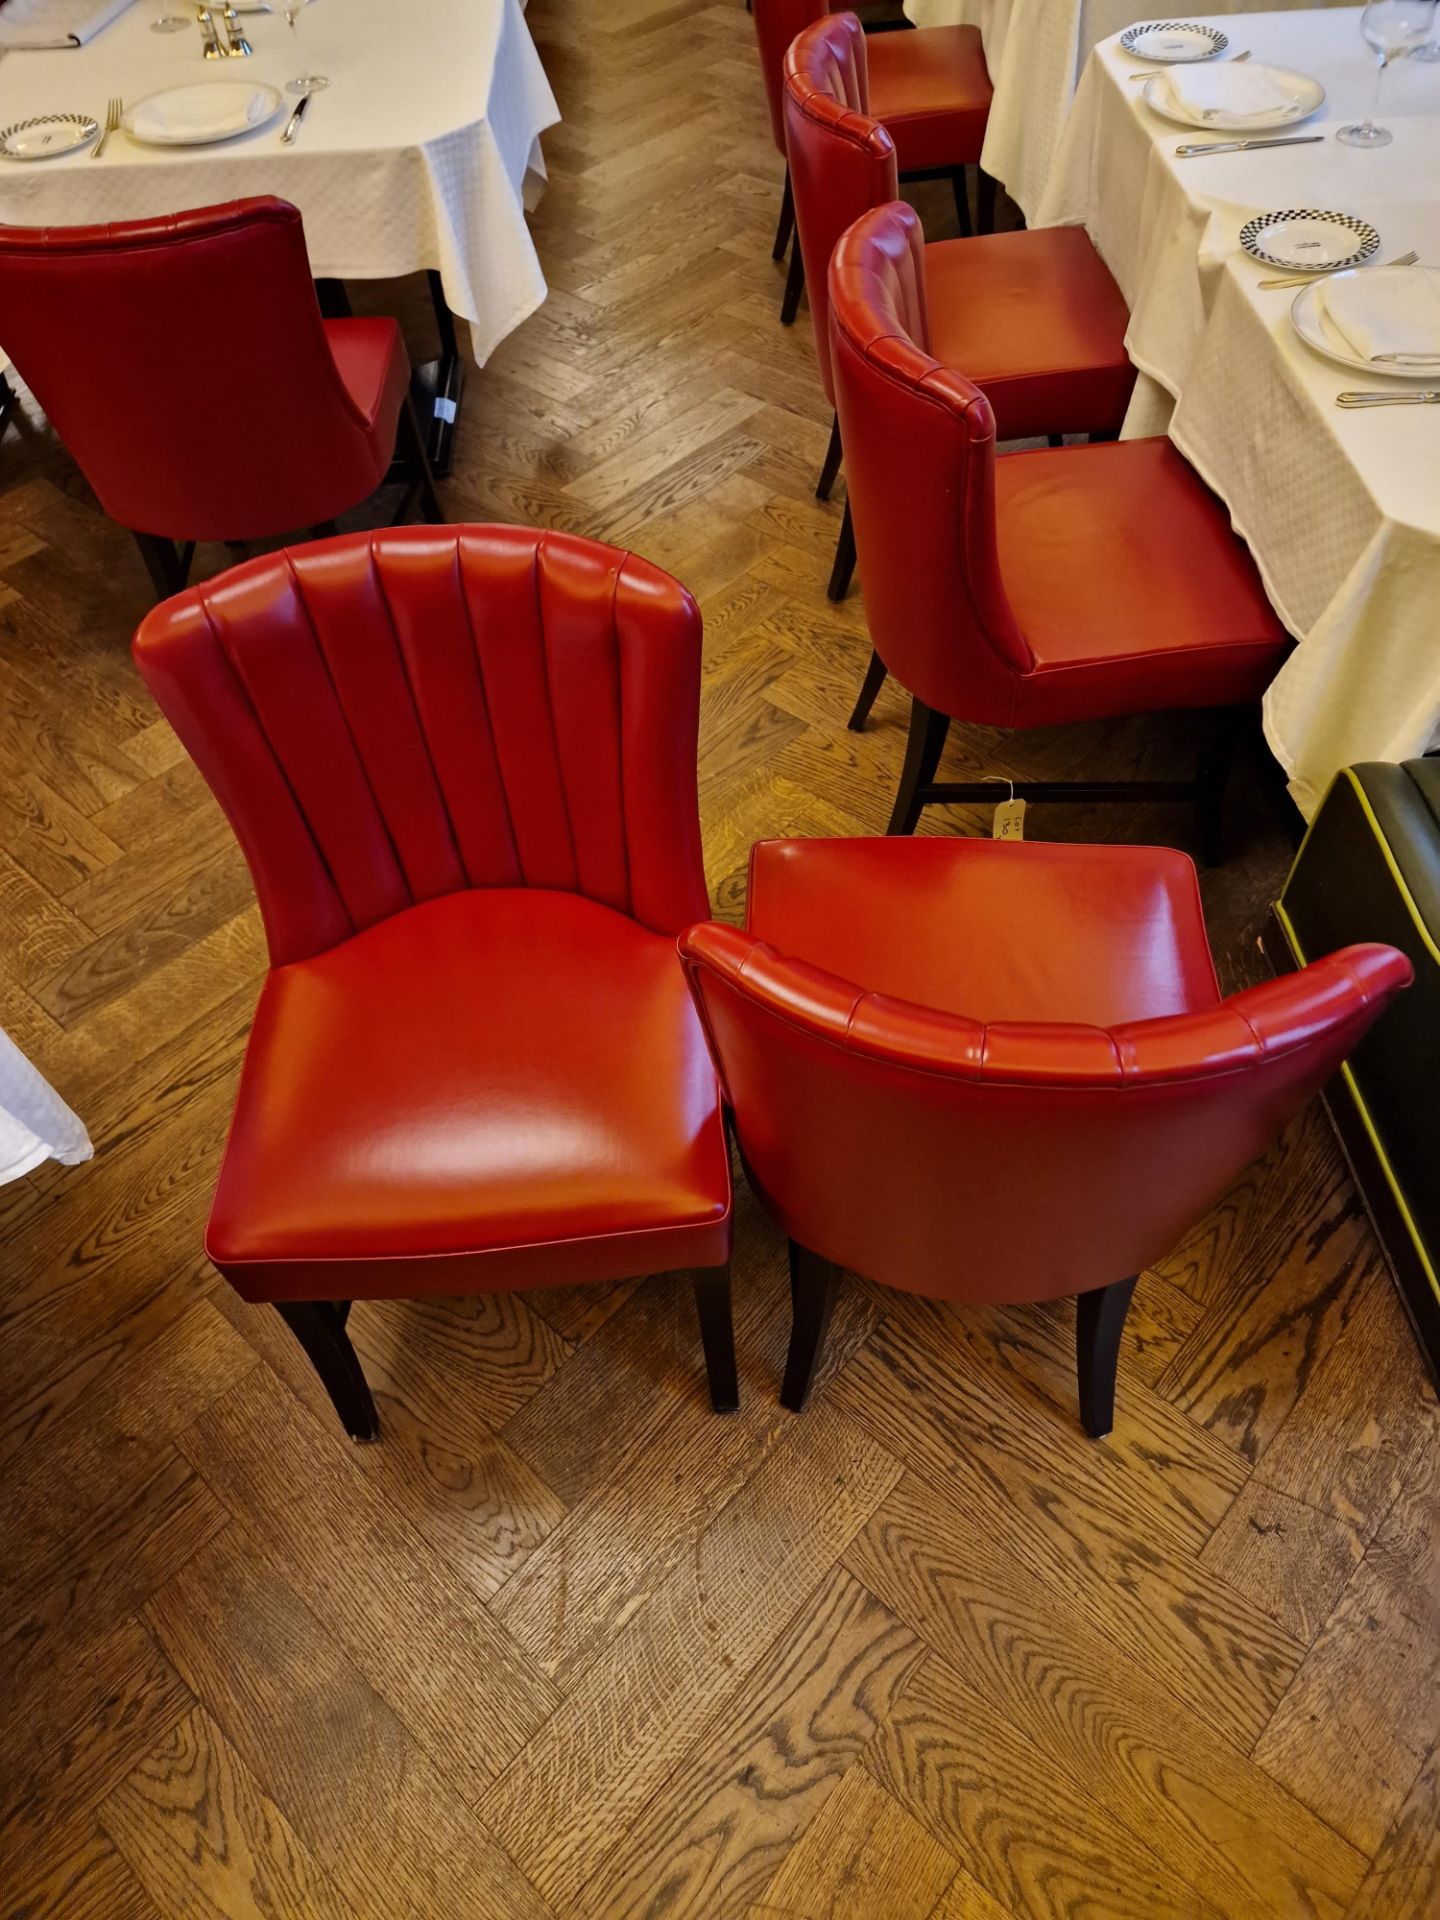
point(1034, 319)
point(776, 24)
point(1040, 587)
point(124, 334)
point(461, 764)
point(1070, 1100)
point(930, 87)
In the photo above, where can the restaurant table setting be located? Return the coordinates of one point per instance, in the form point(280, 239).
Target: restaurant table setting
point(1285, 317)
point(1036, 51)
point(420, 152)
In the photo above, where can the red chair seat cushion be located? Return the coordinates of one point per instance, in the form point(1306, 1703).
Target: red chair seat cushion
point(1037, 322)
point(371, 359)
point(496, 1089)
point(1095, 935)
point(1128, 584)
point(931, 90)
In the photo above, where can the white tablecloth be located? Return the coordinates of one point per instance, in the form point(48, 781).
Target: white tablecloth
point(416, 155)
point(1036, 51)
point(1341, 510)
point(35, 1123)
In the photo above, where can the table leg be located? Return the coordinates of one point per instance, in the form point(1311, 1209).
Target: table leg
point(435, 386)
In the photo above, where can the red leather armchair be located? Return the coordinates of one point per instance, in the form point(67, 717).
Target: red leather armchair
point(461, 765)
point(931, 89)
point(1034, 319)
point(185, 364)
point(1075, 583)
point(1036, 1098)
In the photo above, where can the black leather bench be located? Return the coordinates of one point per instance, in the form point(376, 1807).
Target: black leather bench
point(1369, 869)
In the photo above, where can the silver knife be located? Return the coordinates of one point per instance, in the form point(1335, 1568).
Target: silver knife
point(292, 125)
point(1188, 152)
point(1372, 397)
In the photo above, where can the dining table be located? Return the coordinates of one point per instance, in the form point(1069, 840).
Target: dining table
point(422, 152)
point(1340, 507)
point(1036, 51)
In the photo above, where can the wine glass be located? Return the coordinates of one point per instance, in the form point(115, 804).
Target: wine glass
point(167, 22)
point(307, 82)
point(1392, 28)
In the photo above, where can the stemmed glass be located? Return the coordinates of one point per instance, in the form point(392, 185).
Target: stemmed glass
point(167, 22)
point(1392, 28)
point(307, 82)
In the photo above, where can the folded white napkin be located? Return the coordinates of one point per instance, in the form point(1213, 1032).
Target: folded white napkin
point(209, 107)
point(55, 23)
point(1235, 87)
point(1386, 310)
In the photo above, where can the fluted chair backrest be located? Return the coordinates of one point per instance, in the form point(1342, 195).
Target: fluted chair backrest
point(1008, 1161)
point(120, 333)
point(920, 471)
point(776, 24)
point(842, 162)
point(392, 716)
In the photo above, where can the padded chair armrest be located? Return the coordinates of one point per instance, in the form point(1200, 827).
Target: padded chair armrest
point(1265, 1022)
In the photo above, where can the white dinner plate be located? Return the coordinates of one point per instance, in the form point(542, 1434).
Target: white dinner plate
point(1173, 42)
point(201, 114)
point(1307, 96)
point(1317, 330)
point(1309, 240)
point(47, 135)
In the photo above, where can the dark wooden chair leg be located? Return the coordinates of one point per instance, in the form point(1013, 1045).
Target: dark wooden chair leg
point(874, 680)
point(962, 201)
point(334, 299)
point(166, 564)
point(843, 571)
point(922, 756)
point(814, 1283)
point(1212, 774)
point(410, 445)
point(787, 220)
point(984, 201)
point(794, 286)
point(1099, 1322)
point(717, 1336)
point(7, 402)
point(832, 462)
point(319, 1326)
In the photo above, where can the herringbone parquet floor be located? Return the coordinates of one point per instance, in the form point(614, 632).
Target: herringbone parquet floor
point(566, 1643)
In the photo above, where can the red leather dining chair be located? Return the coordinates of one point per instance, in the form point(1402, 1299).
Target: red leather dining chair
point(909, 79)
point(1034, 318)
point(1053, 585)
point(461, 765)
point(1037, 1098)
point(184, 363)
point(931, 88)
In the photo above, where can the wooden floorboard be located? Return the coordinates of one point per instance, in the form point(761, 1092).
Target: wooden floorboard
point(566, 1644)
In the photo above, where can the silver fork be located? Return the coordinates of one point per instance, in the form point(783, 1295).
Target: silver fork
point(1307, 279)
point(112, 121)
